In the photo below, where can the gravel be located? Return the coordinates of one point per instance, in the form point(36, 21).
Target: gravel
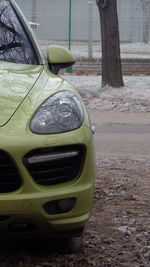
point(118, 233)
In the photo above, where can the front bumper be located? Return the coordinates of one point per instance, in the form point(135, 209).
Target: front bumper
point(22, 210)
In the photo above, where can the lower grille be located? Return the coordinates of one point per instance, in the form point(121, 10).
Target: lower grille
point(55, 165)
point(9, 176)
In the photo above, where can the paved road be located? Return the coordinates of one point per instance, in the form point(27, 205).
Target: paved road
point(124, 135)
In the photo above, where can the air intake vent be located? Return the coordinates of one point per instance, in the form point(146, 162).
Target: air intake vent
point(55, 165)
point(9, 177)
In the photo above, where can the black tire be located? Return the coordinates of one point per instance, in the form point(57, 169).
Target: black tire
point(73, 244)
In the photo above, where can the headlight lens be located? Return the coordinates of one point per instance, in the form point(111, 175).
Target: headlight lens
point(60, 113)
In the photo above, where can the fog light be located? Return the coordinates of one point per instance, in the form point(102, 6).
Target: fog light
point(59, 206)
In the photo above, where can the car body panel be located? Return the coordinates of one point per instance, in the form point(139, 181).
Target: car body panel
point(47, 85)
point(16, 81)
point(29, 199)
point(17, 140)
point(23, 89)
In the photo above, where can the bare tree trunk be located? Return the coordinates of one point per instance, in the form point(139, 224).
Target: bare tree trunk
point(111, 63)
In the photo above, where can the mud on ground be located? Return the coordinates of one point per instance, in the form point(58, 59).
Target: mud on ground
point(118, 233)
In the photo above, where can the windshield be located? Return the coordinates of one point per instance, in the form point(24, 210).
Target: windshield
point(14, 43)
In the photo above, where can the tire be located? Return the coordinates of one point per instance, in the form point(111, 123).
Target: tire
point(74, 244)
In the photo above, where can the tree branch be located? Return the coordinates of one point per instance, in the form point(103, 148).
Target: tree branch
point(9, 46)
point(3, 25)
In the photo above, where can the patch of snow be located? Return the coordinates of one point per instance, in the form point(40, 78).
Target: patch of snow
point(134, 96)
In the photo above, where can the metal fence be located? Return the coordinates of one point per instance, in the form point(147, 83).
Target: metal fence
point(77, 21)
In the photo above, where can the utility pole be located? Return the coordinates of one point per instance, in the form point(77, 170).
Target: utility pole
point(34, 13)
point(90, 29)
point(69, 70)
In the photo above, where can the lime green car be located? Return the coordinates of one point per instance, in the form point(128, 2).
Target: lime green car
point(47, 166)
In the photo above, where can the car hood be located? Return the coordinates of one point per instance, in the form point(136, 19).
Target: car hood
point(16, 81)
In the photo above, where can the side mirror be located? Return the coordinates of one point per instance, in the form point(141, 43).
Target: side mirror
point(59, 57)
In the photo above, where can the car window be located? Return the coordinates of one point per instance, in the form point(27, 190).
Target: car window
point(14, 44)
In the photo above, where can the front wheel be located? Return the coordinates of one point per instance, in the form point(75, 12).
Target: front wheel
point(74, 244)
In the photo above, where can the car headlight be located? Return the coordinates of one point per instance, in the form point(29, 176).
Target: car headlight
point(60, 113)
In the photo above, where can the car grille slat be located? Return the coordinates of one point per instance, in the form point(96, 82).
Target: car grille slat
point(9, 176)
point(49, 167)
point(51, 181)
point(6, 173)
point(59, 169)
point(8, 183)
point(52, 171)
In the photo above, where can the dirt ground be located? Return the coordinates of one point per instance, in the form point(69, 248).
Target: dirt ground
point(118, 233)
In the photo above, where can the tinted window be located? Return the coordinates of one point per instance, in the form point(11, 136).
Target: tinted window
point(14, 43)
